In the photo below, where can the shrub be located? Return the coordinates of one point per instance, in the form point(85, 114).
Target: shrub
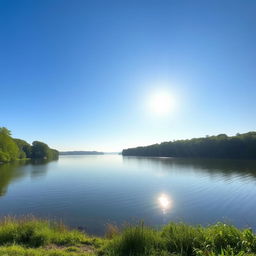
point(222, 236)
point(4, 157)
point(135, 241)
point(183, 239)
point(111, 231)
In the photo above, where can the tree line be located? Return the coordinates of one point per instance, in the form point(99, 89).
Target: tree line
point(14, 149)
point(241, 146)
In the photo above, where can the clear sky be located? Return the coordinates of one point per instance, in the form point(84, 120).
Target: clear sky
point(79, 74)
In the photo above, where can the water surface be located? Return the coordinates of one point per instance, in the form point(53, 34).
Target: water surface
point(90, 191)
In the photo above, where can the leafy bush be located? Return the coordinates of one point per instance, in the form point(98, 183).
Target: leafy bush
point(4, 157)
point(222, 236)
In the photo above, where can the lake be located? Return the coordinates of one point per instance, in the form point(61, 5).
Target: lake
point(91, 191)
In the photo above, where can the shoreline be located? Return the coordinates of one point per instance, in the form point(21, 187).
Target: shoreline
point(39, 237)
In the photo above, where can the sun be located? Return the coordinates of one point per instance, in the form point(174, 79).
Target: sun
point(161, 103)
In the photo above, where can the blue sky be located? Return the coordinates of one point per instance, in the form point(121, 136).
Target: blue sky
point(78, 74)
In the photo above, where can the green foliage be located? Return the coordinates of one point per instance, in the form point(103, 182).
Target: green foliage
point(8, 149)
point(183, 239)
point(135, 241)
point(33, 237)
point(220, 146)
point(34, 233)
point(4, 157)
point(52, 154)
point(16, 250)
point(24, 147)
point(225, 252)
point(222, 236)
point(41, 150)
point(14, 149)
point(218, 239)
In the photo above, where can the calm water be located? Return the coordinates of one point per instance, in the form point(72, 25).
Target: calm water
point(90, 191)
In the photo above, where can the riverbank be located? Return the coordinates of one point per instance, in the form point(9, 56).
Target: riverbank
point(34, 237)
point(240, 146)
point(12, 149)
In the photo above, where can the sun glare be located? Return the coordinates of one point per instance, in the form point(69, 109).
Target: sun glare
point(161, 103)
point(164, 202)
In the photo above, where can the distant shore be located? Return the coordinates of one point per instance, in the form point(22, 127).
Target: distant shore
point(240, 146)
point(81, 153)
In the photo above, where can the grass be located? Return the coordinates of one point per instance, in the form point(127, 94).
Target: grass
point(16, 250)
point(34, 237)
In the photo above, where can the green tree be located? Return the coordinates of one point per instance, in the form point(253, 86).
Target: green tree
point(220, 146)
point(39, 150)
point(8, 149)
point(24, 147)
point(12, 149)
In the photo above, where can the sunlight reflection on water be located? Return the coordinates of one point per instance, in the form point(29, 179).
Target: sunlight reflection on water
point(165, 202)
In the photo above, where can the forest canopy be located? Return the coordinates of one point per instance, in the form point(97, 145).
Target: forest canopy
point(14, 149)
point(220, 146)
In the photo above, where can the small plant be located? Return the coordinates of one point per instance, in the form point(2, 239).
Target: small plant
point(222, 236)
point(183, 239)
point(111, 231)
point(135, 241)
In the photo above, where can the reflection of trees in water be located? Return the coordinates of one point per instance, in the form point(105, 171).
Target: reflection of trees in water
point(9, 172)
point(40, 169)
point(15, 171)
point(224, 167)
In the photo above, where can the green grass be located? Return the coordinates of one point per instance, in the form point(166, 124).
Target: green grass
point(34, 233)
point(182, 239)
point(16, 250)
point(138, 240)
point(34, 237)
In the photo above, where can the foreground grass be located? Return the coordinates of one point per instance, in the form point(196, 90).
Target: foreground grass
point(33, 237)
